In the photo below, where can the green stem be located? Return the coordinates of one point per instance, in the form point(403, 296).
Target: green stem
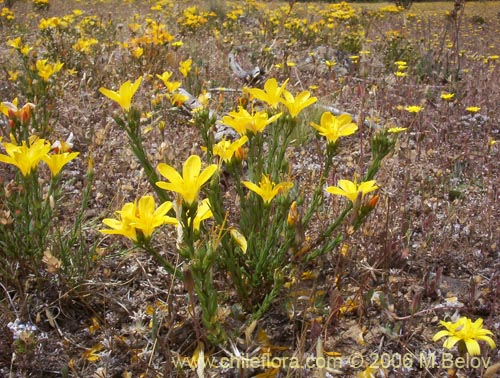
point(163, 261)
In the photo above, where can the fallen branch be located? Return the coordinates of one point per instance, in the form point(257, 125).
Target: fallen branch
point(253, 77)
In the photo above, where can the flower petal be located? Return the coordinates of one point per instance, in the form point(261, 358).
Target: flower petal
point(170, 174)
point(472, 347)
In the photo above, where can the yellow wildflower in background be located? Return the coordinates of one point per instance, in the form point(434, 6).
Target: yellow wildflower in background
point(402, 65)
point(171, 86)
point(185, 67)
point(351, 189)
point(189, 184)
point(465, 332)
point(84, 45)
point(473, 109)
point(17, 45)
point(447, 96)
point(13, 75)
point(123, 96)
point(267, 189)
point(333, 127)
point(330, 64)
point(177, 99)
point(41, 4)
point(396, 130)
point(46, 70)
point(7, 14)
point(413, 108)
point(92, 354)
point(271, 93)
point(14, 43)
point(137, 52)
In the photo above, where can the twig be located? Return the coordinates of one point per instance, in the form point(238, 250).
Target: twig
point(422, 312)
point(10, 300)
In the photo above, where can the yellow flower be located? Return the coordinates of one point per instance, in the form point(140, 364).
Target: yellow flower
point(25, 50)
point(134, 27)
point(17, 44)
point(244, 122)
point(447, 96)
point(203, 212)
point(185, 67)
point(413, 108)
point(226, 149)
point(137, 52)
point(203, 98)
point(14, 43)
point(373, 370)
point(268, 189)
point(402, 65)
point(473, 109)
point(55, 162)
point(122, 225)
point(24, 157)
point(170, 85)
point(333, 127)
point(46, 70)
point(123, 96)
point(293, 214)
point(240, 240)
point(330, 64)
point(92, 354)
point(396, 130)
point(465, 332)
point(84, 45)
point(400, 74)
point(271, 93)
point(148, 219)
point(297, 104)
point(177, 99)
point(142, 217)
point(351, 189)
point(13, 75)
point(189, 184)
point(11, 110)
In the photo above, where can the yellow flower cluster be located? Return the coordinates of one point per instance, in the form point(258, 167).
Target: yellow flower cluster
point(137, 221)
point(46, 70)
point(192, 18)
point(84, 45)
point(27, 156)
